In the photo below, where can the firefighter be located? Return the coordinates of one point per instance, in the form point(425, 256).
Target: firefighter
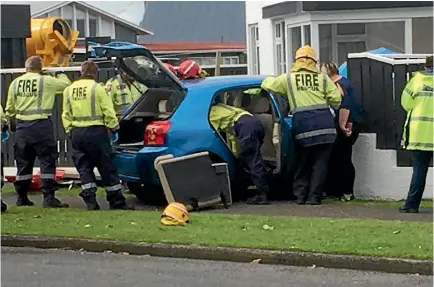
point(30, 101)
point(248, 134)
point(418, 100)
point(190, 70)
point(5, 136)
point(87, 113)
point(310, 95)
point(123, 89)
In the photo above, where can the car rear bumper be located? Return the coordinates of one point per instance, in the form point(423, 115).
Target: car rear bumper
point(138, 166)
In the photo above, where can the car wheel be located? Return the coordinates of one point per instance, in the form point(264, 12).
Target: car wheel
point(148, 194)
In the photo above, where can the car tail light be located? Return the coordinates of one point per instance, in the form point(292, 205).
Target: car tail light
point(155, 133)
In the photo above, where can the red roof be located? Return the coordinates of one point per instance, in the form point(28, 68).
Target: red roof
point(193, 46)
point(190, 46)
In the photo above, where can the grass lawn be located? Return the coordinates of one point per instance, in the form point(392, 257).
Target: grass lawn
point(9, 190)
point(342, 236)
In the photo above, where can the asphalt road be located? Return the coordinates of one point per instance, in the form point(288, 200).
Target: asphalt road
point(27, 267)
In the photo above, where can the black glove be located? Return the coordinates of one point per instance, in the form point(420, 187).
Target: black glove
point(5, 128)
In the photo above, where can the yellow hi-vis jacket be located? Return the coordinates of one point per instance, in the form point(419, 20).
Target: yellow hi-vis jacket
point(85, 104)
point(418, 101)
point(123, 95)
point(32, 95)
point(223, 118)
point(3, 117)
point(310, 96)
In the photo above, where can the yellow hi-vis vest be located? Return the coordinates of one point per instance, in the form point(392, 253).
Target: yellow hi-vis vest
point(418, 101)
point(122, 95)
point(223, 118)
point(85, 104)
point(32, 95)
point(309, 95)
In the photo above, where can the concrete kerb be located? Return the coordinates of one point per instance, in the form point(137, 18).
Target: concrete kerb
point(292, 258)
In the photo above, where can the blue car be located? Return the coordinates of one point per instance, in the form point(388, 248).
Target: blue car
point(171, 118)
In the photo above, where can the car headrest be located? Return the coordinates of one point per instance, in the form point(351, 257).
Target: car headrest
point(260, 105)
point(165, 106)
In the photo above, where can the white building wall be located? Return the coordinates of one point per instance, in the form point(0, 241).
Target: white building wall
point(378, 176)
point(266, 46)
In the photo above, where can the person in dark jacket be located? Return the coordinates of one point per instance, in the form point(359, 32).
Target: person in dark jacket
point(341, 173)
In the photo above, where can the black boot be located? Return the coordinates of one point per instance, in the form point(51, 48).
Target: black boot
point(4, 206)
point(53, 202)
point(117, 201)
point(258, 199)
point(91, 202)
point(23, 200)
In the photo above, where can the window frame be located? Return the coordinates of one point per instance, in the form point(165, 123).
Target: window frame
point(279, 39)
point(254, 56)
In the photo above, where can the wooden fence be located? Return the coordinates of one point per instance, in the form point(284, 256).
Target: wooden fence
point(379, 86)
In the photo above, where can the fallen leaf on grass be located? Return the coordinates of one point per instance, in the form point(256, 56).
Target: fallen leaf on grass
point(36, 216)
point(256, 261)
point(267, 227)
point(133, 223)
point(244, 228)
point(109, 226)
point(397, 232)
point(87, 226)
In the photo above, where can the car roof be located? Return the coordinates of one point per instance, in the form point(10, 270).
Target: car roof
point(221, 82)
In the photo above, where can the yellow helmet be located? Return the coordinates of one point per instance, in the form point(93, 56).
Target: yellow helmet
point(305, 52)
point(175, 214)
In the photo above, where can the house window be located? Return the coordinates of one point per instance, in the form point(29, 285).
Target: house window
point(81, 28)
point(294, 42)
point(280, 47)
point(336, 41)
point(307, 40)
point(230, 60)
point(254, 49)
point(92, 27)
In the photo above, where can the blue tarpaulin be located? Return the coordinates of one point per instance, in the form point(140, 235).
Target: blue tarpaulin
point(343, 71)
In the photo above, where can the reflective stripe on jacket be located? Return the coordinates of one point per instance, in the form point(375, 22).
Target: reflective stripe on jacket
point(223, 118)
point(418, 101)
point(122, 95)
point(310, 96)
point(32, 95)
point(86, 103)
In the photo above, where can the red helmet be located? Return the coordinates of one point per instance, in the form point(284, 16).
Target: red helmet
point(171, 68)
point(189, 69)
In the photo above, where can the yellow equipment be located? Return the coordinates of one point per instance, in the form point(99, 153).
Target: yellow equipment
point(53, 40)
point(175, 214)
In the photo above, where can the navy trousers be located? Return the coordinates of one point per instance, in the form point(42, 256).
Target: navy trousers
point(421, 160)
point(250, 135)
point(35, 139)
point(91, 148)
point(311, 171)
point(341, 171)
